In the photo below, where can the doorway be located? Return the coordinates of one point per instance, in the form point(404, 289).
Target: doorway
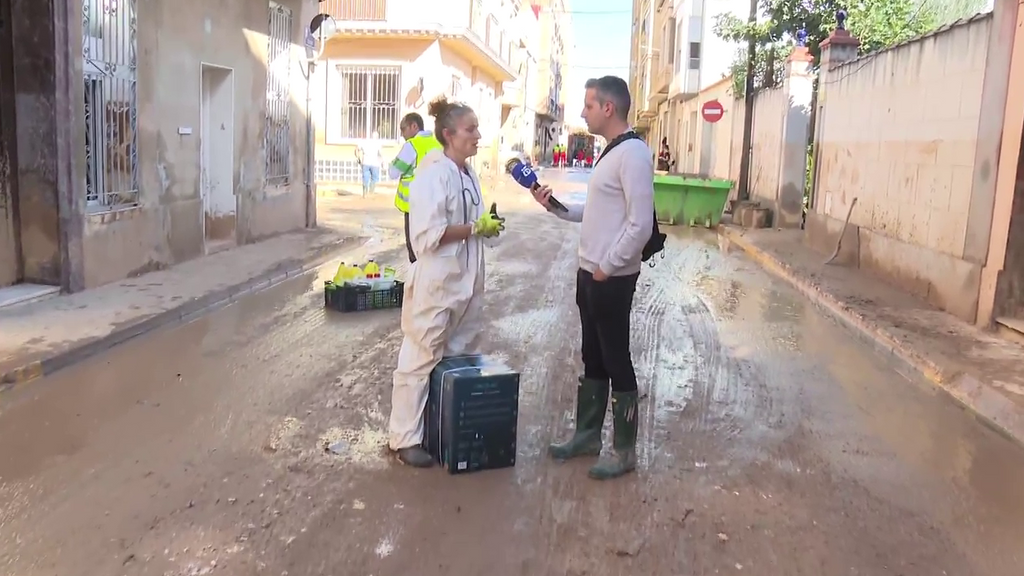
point(691, 142)
point(217, 157)
point(707, 148)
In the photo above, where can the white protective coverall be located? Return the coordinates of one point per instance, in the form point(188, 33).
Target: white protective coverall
point(441, 310)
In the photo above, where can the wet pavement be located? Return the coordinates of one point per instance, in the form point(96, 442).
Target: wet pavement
point(772, 443)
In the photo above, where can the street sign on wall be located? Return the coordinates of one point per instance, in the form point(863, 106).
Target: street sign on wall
point(712, 111)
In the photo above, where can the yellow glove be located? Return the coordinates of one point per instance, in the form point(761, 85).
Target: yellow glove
point(490, 224)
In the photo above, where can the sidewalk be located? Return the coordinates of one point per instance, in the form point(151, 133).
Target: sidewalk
point(980, 370)
point(42, 337)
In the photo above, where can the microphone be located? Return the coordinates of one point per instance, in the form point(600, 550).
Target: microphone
point(527, 178)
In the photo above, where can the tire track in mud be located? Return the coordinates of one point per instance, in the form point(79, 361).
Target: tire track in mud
point(620, 515)
point(696, 400)
point(549, 369)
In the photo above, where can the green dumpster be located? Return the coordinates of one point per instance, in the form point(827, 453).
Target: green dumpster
point(690, 199)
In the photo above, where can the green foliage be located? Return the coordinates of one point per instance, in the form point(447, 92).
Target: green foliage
point(769, 67)
point(876, 23)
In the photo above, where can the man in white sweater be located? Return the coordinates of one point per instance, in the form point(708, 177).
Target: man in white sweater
point(617, 221)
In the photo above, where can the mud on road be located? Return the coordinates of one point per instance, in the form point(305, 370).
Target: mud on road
point(772, 443)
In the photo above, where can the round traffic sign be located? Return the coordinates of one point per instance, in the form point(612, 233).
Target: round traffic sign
point(712, 111)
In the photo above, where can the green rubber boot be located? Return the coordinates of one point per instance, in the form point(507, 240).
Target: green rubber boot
point(591, 405)
point(624, 414)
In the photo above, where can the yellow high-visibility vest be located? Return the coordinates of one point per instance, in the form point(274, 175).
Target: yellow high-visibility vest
point(422, 145)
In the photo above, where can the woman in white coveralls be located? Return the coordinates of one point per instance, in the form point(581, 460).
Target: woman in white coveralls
point(441, 312)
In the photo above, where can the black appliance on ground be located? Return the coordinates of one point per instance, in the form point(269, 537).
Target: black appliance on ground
point(472, 414)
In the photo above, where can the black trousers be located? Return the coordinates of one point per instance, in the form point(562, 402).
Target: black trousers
point(604, 317)
point(408, 243)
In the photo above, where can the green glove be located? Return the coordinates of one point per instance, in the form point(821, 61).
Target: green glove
point(490, 224)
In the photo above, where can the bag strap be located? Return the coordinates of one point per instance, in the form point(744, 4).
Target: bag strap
point(628, 135)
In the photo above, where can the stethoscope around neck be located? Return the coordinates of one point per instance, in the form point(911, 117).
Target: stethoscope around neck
point(475, 197)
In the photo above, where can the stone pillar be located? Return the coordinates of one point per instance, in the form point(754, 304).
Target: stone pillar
point(46, 125)
point(841, 46)
point(821, 231)
point(798, 87)
point(995, 223)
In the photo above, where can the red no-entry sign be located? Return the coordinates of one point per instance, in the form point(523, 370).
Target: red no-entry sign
point(712, 111)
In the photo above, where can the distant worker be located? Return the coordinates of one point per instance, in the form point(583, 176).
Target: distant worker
point(418, 142)
point(369, 155)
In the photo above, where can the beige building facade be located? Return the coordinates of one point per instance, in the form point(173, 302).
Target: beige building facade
point(392, 57)
point(550, 96)
point(157, 132)
point(675, 56)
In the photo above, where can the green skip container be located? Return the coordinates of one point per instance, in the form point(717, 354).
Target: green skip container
point(691, 199)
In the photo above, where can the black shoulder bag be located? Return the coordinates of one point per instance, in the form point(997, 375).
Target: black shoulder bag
point(656, 243)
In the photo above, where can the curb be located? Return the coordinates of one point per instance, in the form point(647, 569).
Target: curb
point(190, 310)
point(981, 399)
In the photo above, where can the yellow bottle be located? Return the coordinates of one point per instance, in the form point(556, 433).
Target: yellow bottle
point(372, 270)
point(341, 275)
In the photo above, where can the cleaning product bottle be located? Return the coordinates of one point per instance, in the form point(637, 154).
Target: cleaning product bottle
point(372, 270)
point(341, 275)
point(355, 274)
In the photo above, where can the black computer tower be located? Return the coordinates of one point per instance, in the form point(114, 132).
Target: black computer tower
point(472, 414)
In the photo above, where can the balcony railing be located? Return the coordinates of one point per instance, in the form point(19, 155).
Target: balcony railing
point(396, 16)
point(356, 10)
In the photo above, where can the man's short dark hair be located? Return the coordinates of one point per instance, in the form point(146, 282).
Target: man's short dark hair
point(612, 89)
point(413, 118)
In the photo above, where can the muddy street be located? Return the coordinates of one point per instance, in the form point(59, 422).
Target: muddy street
point(773, 442)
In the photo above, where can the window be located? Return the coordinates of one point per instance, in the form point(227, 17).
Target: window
point(679, 46)
point(109, 70)
point(694, 55)
point(456, 87)
point(277, 134)
point(370, 100)
point(670, 41)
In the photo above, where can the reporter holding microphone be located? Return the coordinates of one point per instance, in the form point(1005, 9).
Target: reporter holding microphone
point(616, 223)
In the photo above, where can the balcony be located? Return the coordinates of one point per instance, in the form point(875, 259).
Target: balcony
point(512, 94)
point(548, 90)
point(551, 108)
point(464, 26)
point(684, 86)
point(662, 76)
point(657, 92)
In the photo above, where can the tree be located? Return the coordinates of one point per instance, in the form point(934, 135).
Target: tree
point(876, 23)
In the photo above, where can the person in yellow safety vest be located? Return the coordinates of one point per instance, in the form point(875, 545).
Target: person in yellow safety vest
point(418, 142)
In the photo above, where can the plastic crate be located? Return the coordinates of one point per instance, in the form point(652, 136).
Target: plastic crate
point(356, 299)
